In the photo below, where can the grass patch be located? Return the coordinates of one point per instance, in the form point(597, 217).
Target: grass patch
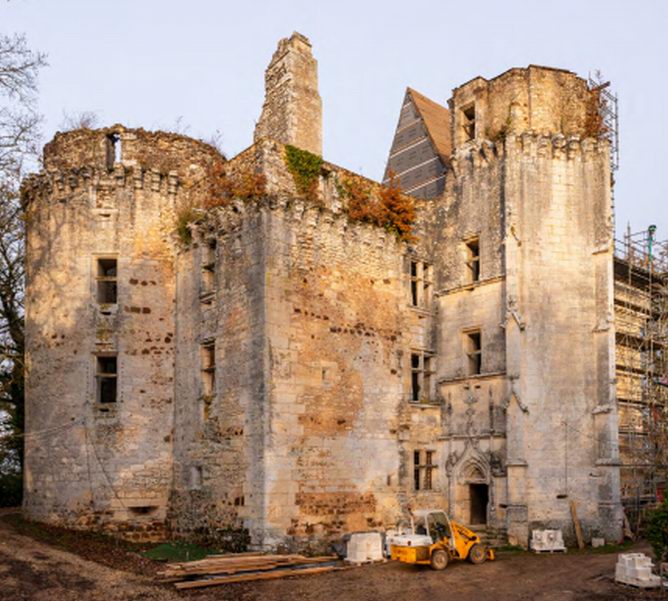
point(610, 548)
point(510, 549)
point(176, 551)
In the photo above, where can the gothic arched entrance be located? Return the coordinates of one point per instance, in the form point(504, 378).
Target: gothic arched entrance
point(473, 501)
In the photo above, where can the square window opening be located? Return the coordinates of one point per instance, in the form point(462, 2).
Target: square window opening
point(196, 477)
point(113, 150)
point(474, 353)
point(420, 278)
point(208, 371)
point(468, 122)
point(107, 281)
point(208, 269)
point(473, 259)
point(421, 376)
point(106, 375)
point(423, 469)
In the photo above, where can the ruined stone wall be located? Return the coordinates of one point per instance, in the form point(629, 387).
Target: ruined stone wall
point(292, 110)
point(102, 148)
point(218, 446)
point(91, 463)
point(539, 99)
point(339, 340)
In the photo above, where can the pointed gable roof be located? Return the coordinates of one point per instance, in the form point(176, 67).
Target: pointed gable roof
point(421, 147)
point(436, 119)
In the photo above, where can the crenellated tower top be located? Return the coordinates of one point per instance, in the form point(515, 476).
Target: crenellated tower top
point(534, 99)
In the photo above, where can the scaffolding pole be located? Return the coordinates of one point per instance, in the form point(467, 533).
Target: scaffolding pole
point(641, 322)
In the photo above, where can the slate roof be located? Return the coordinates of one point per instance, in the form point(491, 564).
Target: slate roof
point(421, 147)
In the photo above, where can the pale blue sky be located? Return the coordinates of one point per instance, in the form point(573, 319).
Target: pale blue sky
point(145, 63)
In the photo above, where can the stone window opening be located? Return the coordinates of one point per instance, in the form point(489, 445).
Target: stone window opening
point(473, 260)
point(107, 281)
point(196, 477)
point(468, 122)
point(421, 376)
point(143, 509)
point(420, 277)
point(208, 271)
point(473, 341)
point(114, 150)
point(208, 369)
point(106, 375)
point(423, 469)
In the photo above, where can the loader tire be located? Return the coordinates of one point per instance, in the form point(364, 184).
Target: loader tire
point(477, 554)
point(439, 559)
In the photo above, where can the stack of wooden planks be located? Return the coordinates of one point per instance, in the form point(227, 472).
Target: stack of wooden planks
point(242, 567)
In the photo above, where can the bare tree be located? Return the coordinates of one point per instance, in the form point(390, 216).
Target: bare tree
point(79, 120)
point(19, 144)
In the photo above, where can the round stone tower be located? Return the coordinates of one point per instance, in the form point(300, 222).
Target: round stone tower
point(100, 324)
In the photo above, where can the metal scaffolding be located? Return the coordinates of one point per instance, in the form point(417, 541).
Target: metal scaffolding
point(608, 110)
point(641, 322)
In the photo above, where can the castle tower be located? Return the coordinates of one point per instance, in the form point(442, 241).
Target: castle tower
point(292, 110)
point(529, 298)
point(100, 326)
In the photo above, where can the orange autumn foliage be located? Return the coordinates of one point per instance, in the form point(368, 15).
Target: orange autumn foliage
point(223, 187)
point(391, 209)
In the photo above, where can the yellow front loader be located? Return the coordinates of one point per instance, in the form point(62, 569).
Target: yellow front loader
point(435, 540)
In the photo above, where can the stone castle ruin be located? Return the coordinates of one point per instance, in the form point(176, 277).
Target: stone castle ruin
point(283, 371)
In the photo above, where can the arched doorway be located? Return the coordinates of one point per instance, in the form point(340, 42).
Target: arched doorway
point(474, 487)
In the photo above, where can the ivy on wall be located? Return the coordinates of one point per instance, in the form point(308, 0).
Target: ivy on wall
point(305, 167)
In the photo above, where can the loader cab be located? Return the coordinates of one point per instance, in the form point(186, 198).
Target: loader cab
point(432, 523)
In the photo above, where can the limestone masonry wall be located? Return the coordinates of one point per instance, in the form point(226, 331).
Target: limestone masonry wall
point(101, 463)
point(218, 447)
point(282, 373)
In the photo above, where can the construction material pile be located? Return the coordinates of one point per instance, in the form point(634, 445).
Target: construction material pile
point(243, 567)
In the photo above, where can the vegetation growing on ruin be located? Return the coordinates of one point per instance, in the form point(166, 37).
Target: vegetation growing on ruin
point(594, 125)
point(390, 208)
point(185, 216)
point(223, 186)
point(502, 133)
point(218, 189)
point(304, 166)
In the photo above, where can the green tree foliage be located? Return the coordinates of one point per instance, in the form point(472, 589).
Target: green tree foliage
point(657, 531)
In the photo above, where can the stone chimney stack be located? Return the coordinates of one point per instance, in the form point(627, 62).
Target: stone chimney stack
point(292, 110)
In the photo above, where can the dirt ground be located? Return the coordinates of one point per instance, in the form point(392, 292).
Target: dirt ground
point(43, 564)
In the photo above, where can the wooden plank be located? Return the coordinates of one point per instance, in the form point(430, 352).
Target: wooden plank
point(224, 570)
point(249, 577)
point(576, 523)
point(218, 566)
point(226, 555)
